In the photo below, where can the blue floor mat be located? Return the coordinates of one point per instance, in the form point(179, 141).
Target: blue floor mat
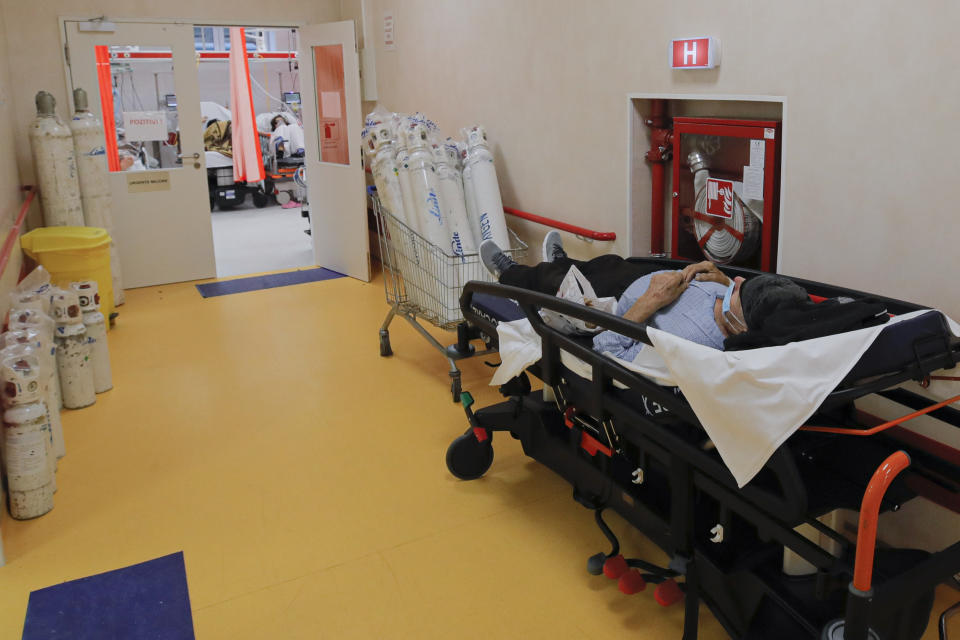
point(145, 601)
point(255, 283)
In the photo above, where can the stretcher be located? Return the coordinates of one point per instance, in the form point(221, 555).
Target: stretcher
point(628, 444)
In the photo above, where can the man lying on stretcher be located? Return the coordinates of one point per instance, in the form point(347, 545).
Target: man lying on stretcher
point(698, 303)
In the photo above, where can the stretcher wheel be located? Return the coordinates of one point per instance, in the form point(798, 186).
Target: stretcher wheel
point(385, 349)
point(468, 458)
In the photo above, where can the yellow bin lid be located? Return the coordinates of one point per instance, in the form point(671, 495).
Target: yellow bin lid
point(47, 239)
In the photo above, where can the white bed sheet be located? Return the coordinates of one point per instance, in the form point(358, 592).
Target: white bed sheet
point(749, 402)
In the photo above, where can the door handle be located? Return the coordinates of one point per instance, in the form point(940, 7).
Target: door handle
point(195, 155)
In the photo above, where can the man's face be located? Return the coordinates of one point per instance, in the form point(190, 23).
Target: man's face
point(731, 323)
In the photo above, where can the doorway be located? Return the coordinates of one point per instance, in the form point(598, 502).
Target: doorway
point(258, 226)
point(161, 193)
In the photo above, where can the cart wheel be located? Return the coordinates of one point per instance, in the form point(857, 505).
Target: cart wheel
point(261, 199)
point(468, 458)
point(385, 349)
point(455, 386)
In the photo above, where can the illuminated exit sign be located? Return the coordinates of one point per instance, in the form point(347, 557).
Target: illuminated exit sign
point(694, 53)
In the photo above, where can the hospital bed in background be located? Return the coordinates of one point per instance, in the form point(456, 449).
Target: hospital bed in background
point(769, 559)
point(284, 176)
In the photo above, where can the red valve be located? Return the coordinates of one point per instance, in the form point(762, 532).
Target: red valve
point(632, 582)
point(615, 566)
point(667, 593)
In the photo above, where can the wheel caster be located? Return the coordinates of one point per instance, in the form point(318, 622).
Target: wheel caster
point(385, 349)
point(468, 458)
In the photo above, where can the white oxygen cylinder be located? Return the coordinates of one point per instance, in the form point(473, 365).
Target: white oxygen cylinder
point(406, 187)
point(426, 189)
point(96, 326)
point(454, 207)
point(26, 437)
point(386, 176)
point(486, 188)
point(31, 341)
point(470, 196)
point(91, 154)
point(73, 352)
point(56, 166)
point(25, 319)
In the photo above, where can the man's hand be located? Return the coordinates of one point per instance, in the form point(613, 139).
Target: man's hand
point(704, 271)
point(666, 287)
point(663, 290)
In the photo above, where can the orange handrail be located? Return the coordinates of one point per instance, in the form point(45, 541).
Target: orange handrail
point(563, 226)
point(14, 232)
point(870, 514)
point(885, 425)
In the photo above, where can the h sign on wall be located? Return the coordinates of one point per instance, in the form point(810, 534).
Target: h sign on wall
point(694, 53)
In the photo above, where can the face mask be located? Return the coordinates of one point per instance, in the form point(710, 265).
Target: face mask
point(729, 315)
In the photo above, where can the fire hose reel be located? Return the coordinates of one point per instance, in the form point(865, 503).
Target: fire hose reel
point(725, 191)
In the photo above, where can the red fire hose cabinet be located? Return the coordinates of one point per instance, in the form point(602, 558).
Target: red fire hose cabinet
point(726, 191)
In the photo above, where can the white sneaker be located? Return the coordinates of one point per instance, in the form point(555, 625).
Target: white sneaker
point(553, 247)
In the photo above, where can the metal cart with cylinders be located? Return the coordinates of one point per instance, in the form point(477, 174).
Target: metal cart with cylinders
point(423, 284)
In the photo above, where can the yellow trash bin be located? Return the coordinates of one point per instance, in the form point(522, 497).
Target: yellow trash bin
point(72, 254)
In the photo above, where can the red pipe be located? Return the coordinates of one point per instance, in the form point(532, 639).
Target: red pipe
point(870, 514)
point(660, 149)
point(563, 226)
point(14, 232)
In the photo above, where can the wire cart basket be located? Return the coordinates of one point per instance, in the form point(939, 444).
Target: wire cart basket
point(423, 283)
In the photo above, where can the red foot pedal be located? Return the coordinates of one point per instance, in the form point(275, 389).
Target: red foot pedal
point(480, 433)
point(615, 567)
point(632, 582)
point(667, 593)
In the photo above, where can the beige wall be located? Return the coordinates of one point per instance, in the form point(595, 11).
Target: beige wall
point(870, 135)
point(36, 61)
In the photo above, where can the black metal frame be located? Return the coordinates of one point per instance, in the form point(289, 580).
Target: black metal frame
point(686, 486)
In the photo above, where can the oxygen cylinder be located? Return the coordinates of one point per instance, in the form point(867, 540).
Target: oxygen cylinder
point(96, 326)
point(470, 196)
point(426, 189)
point(56, 166)
point(31, 341)
point(73, 352)
point(32, 319)
point(454, 207)
point(406, 188)
point(386, 175)
point(91, 154)
point(26, 436)
point(486, 188)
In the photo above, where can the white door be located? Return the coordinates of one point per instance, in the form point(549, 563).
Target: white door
point(158, 175)
point(332, 121)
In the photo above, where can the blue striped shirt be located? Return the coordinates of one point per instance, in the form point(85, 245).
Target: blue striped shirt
point(690, 316)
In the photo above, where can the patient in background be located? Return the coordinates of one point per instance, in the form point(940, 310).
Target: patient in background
point(698, 303)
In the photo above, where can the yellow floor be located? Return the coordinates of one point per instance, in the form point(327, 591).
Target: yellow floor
point(303, 477)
